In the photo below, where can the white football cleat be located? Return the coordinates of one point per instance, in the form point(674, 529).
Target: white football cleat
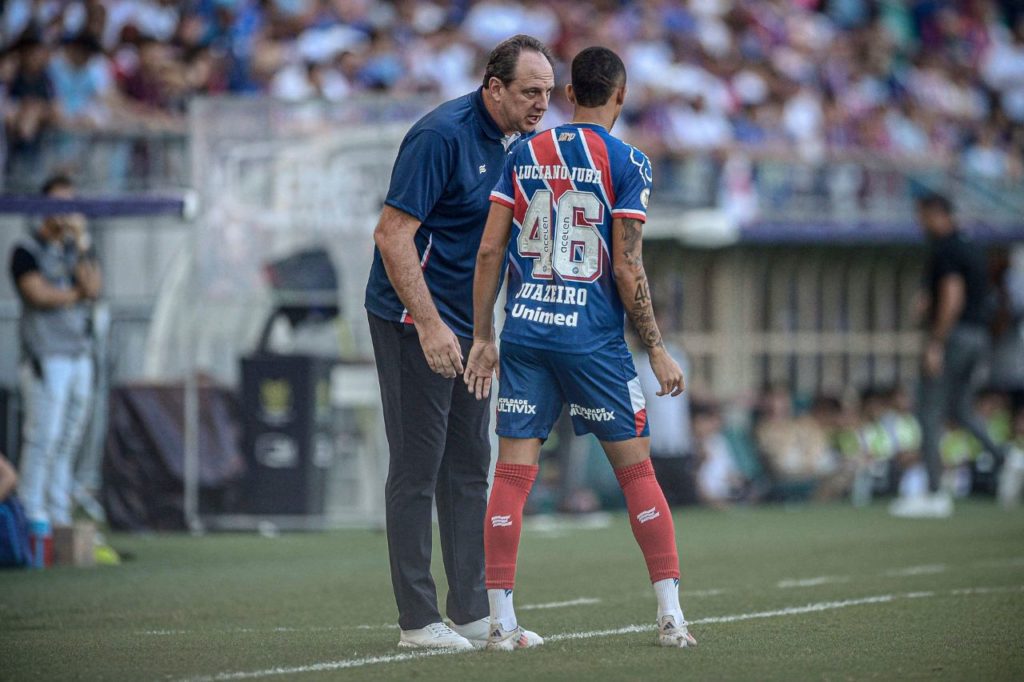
point(672, 632)
point(434, 636)
point(478, 633)
point(500, 639)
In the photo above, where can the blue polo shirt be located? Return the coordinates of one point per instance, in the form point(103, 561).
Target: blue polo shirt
point(446, 168)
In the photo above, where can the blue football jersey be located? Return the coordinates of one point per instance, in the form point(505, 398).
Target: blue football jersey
point(565, 186)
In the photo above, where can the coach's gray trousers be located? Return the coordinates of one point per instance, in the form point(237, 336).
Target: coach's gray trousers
point(950, 395)
point(440, 450)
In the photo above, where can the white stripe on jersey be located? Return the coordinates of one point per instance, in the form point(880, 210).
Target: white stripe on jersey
point(423, 266)
point(608, 206)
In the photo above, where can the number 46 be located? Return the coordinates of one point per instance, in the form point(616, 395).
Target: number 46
point(573, 248)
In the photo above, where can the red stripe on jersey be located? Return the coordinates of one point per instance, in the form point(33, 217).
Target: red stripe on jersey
point(599, 152)
point(545, 149)
point(640, 419)
point(629, 213)
point(499, 198)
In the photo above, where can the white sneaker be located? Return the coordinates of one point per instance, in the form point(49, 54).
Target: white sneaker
point(933, 506)
point(500, 639)
point(434, 636)
point(672, 632)
point(941, 505)
point(1011, 478)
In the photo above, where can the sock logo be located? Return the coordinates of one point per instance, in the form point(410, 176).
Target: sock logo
point(648, 515)
point(501, 521)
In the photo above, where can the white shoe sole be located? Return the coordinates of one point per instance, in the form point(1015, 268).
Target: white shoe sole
point(432, 647)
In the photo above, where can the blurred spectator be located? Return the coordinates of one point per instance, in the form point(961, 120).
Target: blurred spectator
point(794, 449)
point(83, 83)
point(8, 479)
point(719, 481)
point(31, 109)
point(56, 275)
point(672, 440)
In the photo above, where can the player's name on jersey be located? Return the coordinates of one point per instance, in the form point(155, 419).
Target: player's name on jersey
point(576, 174)
point(541, 316)
point(552, 293)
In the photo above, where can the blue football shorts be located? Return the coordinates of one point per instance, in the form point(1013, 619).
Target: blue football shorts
point(601, 388)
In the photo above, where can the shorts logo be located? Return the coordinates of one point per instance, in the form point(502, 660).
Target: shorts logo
point(592, 414)
point(516, 406)
point(646, 515)
point(501, 521)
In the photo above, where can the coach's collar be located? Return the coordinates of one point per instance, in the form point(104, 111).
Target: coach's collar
point(487, 123)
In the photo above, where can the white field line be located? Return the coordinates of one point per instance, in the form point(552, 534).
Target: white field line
point(567, 636)
point(789, 583)
point(1000, 563)
point(582, 601)
point(714, 592)
point(985, 590)
point(926, 569)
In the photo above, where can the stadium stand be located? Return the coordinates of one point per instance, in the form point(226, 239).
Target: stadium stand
point(798, 133)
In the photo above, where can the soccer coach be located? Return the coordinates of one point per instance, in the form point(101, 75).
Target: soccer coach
point(419, 302)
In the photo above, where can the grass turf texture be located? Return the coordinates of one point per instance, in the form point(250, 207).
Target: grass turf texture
point(187, 608)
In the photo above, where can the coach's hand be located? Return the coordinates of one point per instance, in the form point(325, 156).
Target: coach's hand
point(441, 349)
point(667, 371)
point(481, 364)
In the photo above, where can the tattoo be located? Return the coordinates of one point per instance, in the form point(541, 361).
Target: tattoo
point(640, 312)
point(631, 235)
point(643, 292)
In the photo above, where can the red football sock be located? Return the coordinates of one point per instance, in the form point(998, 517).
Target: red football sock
point(504, 522)
point(650, 518)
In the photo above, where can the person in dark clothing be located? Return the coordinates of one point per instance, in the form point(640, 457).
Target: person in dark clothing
point(31, 108)
point(419, 302)
point(958, 305)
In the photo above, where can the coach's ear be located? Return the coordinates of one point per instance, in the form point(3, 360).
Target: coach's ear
point(494, 87)
point(570, 94)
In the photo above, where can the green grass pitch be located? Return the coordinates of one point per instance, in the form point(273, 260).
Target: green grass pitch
point(815, 593)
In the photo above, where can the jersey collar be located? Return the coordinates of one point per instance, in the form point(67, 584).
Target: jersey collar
point(487, 123)
point(587, 124)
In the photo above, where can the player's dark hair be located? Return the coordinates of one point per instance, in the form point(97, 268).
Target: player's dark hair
point(935, 200)
point(504, 58)
point(596, 73)
point(55, 182)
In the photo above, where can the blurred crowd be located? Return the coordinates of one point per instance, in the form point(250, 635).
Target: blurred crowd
point(858, 447)
point(927, 80)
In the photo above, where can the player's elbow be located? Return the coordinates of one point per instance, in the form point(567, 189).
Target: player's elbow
point(488, 253)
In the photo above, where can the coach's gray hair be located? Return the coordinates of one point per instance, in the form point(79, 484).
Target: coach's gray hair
point(501, 63)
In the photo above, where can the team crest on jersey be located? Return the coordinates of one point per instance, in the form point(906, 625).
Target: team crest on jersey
point(645, 196)
point(566, 137)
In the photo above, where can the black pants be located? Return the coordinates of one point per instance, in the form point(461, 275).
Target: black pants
point(951, 396)
point(439, 446)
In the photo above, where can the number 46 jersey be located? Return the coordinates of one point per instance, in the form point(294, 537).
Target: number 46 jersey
point(565, 186)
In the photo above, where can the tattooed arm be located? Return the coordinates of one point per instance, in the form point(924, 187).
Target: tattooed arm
point(635, 292)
